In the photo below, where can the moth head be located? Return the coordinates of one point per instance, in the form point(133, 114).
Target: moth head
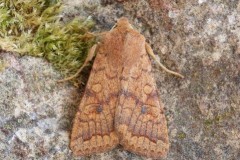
point(123, 23)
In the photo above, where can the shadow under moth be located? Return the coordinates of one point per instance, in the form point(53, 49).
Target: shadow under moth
point(120, 104)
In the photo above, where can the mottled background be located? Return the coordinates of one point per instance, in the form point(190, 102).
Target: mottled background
point(198, 38)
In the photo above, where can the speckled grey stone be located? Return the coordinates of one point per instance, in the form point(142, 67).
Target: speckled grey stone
point(198, 38)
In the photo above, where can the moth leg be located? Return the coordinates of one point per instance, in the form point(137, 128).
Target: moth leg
point(150, 52)
point(90, 56)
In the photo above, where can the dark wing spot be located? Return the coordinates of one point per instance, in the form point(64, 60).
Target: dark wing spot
point(99, 109)
point(144, 109)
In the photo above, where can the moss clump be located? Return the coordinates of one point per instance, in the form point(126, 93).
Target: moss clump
point(220, 118)
point(3, 65)
point(34, 27)
point(208, 122)
point(182, 135)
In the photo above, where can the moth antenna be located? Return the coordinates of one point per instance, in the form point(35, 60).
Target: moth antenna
point(150, 52)
point(90, 56)
point(113, 27)
point(97, 34)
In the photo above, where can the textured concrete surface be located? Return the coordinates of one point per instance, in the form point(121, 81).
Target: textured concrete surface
point(198, 38)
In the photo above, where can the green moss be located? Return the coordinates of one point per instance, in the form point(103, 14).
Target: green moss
point(34, 27)
point(208, 122)
point(3, 65)
point(219, 118)
point(182, 135)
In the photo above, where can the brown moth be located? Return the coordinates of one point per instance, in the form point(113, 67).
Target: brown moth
point(120, 104)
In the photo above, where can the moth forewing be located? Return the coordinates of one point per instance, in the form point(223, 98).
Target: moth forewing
point(139, 121)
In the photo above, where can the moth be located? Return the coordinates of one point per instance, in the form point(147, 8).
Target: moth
point(120, 104)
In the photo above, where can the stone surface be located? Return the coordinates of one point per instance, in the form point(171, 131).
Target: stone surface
point(200, 39)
